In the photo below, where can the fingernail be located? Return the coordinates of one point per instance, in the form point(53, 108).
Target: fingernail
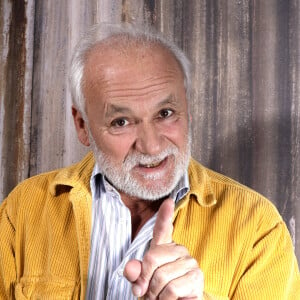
point(136, 290)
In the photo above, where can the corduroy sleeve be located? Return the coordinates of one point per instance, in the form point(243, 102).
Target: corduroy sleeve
point(7, 254)
point(271, 271)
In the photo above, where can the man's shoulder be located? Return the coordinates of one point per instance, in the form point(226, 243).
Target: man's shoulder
point(229, 193)
point(50, 184)
point(65, 174)
point(234, 205)
point(200, 174)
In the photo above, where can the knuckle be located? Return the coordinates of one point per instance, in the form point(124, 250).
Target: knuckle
point(181, 249)
point(161, 275)
point(197, 280)
point(196, 274)
point(194, 262)
point(150, 259)
point(170, 290)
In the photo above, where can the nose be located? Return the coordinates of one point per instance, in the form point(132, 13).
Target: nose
point(149, 140)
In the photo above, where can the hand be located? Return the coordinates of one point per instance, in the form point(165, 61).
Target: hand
point(167, 270)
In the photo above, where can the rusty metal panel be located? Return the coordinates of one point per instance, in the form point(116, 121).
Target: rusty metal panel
point(246, 90)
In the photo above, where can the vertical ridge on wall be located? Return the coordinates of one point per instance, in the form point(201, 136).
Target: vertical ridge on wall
point(16, 76)
point(265, 99)
point(81, 16)
point(283, 186)
point(49, 93)
point(294, 85)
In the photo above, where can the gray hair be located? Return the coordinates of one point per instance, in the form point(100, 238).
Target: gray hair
point(104, 31)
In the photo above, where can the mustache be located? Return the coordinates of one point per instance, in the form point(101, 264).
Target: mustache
point(135, 159)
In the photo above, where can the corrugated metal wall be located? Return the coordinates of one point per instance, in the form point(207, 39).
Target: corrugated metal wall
point(246, 101)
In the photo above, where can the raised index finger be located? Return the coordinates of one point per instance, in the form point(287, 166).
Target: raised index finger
point(163, 228)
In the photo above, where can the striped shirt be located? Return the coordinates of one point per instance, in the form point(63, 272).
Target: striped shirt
point(111, 245)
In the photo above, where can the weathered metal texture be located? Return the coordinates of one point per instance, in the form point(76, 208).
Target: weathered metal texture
point(293, 197)
point(16, 46)
point(246, 91)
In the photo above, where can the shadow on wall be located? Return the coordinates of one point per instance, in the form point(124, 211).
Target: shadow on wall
point(259, 155)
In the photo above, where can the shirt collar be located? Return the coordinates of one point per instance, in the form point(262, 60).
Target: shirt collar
point(181, 189)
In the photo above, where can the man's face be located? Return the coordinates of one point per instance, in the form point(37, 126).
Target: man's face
point(138, 119)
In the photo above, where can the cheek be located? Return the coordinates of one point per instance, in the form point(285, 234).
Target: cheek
point(176, 132)
point(115, 146)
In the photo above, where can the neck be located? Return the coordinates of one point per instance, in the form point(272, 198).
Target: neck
point(141, 211)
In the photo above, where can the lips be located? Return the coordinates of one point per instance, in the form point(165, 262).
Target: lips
point(153, 166)
point(155, 170)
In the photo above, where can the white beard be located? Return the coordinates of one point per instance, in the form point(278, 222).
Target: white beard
point(123, 180)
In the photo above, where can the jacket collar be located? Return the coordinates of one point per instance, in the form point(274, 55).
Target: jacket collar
point(201, 185)
point(200, 188)
point(74, 176)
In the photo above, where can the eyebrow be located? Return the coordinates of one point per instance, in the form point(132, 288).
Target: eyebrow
point(116, 109)
point(170, 100)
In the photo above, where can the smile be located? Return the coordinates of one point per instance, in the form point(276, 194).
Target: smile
point(153, 165)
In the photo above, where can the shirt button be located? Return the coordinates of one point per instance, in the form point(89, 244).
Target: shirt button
point(122, 221)
point(120, 272)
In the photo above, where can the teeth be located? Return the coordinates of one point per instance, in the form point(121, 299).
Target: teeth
point(153, 165)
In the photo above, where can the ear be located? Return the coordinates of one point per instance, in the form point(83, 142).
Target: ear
point(81, 127)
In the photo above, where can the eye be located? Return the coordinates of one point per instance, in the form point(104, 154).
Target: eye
point(165, 113)
point(121, 122)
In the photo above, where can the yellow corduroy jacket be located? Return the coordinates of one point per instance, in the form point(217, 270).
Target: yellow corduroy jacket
point(238, 238)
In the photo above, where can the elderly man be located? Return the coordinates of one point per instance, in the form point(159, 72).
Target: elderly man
point(139, 217)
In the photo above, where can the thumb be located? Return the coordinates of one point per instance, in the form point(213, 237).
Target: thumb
point(163, 228)
point(133, 270)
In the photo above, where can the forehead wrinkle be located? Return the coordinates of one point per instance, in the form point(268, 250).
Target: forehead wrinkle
point(124, 89)
point(121, 93)
point(128, 94)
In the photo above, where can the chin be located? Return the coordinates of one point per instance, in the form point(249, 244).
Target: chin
point(149, 189)
point(148, 195)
